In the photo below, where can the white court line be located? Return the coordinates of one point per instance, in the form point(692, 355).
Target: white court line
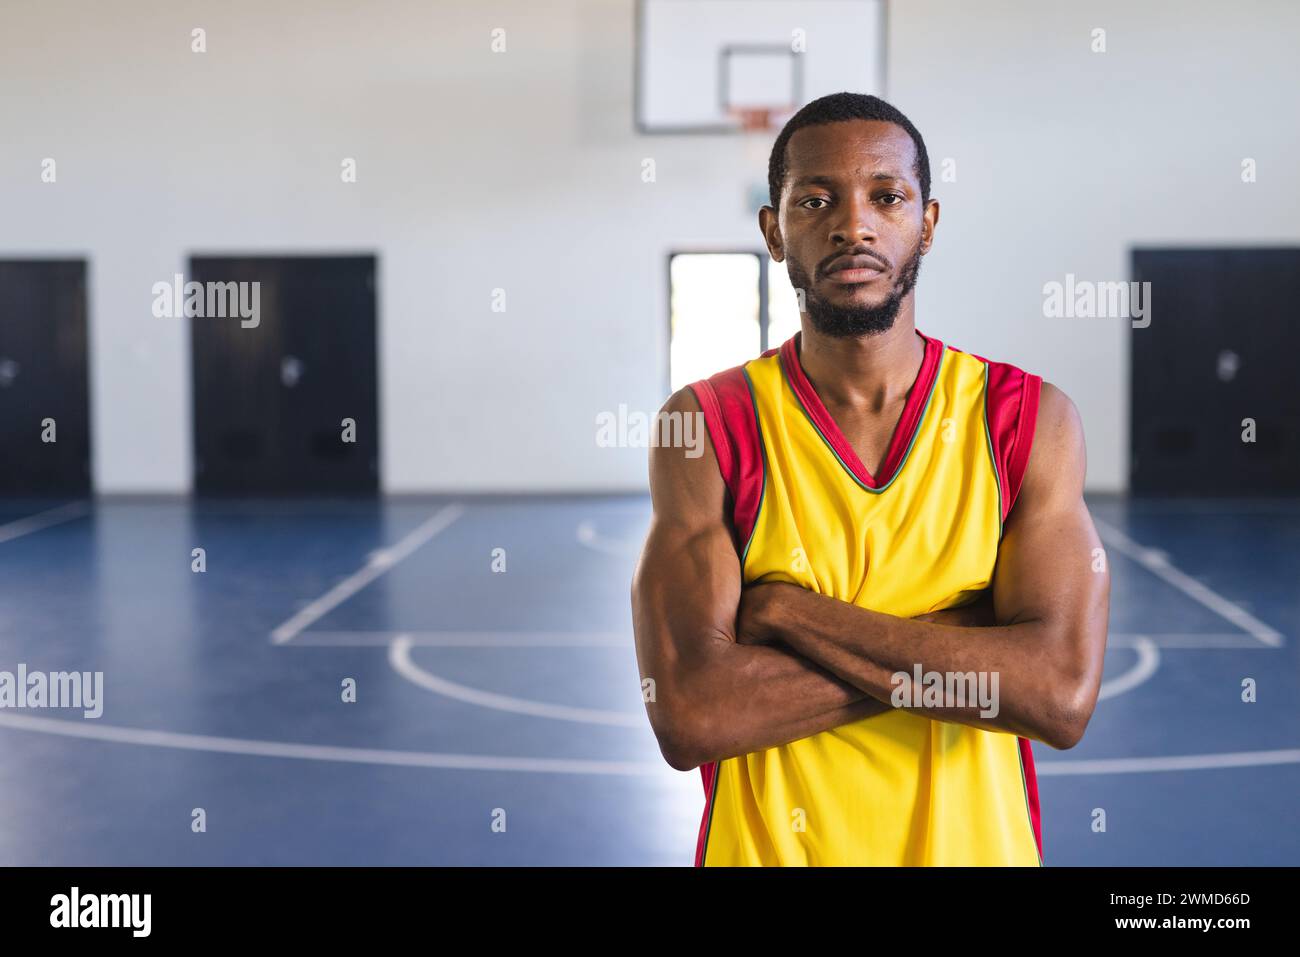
point(467, 639)
point(380, 561)
point(1158, 564)
point(597, 542)
point(564, 639)
point(477, 762)
point(1185, 762)
point(34, 523)
point(1268, 506)
point(1190, 641)
point(319, 752)
point(399, 656)
point(1147, 663)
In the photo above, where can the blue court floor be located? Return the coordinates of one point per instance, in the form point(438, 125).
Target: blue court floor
point(498, 715)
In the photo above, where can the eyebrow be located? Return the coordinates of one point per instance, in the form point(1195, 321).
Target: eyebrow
point(824, 180)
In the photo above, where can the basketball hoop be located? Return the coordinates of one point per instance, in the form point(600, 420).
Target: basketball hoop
point(753, 120)
point(760, 119)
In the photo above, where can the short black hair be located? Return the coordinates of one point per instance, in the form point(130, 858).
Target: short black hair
point(834, 108)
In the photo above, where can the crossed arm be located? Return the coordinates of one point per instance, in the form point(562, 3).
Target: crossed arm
point(741, 671)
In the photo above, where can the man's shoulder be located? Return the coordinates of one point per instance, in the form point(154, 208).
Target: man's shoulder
point(1058, 418)
point(724, 397)
point(1022, 411)
point(731, 377)
point(725, 406)
point(996, 366)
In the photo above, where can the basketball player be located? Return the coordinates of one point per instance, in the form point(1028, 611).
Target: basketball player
point(874, 507)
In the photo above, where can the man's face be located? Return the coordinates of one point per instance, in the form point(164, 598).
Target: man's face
point(852, 227)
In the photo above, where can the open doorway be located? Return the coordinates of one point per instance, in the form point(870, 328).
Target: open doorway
point(725, 308)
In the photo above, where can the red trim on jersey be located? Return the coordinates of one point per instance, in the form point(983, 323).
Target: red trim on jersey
point(732, 422)
point(904, 431)
point(733, 428)
point(1012, 411)
point(710, 774)
point(1031, 792)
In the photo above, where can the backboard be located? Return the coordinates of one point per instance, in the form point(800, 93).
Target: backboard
point(723, 66)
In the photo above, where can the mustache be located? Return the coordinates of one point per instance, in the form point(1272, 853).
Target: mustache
point(855, 251)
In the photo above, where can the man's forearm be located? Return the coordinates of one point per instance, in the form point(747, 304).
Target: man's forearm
point(766, 696)
point(748, 698)
point(868, 648)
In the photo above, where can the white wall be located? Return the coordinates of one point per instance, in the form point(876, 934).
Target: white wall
point(479, 170)
point(1066, 159)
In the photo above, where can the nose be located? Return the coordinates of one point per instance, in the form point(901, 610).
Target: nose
point(856, 223)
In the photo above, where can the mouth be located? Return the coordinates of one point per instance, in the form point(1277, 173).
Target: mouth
point(848, 277)
point(849, 270)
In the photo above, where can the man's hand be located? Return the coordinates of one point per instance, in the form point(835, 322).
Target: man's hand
point(976, 614)
point(759, 620)
point(755, 619)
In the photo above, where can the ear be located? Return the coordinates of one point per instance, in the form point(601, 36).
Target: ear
point(929, 222)
point(770, 226)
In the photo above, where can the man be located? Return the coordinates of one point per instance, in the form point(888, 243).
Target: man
point(875, 509)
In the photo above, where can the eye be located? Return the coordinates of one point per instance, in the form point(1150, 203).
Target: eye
point(812, 199)
point(894, 196)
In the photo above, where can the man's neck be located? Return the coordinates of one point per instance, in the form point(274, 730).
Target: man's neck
point(868, 372)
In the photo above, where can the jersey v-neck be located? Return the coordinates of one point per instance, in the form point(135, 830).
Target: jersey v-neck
point(904, 432)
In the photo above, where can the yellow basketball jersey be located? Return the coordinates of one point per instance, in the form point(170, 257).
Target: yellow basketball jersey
point(895, 788)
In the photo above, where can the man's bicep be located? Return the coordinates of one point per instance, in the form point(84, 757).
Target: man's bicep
point(1049, 522)
point(690, 548)
point(687, 584)
point(686, 588)
point(1051, 568)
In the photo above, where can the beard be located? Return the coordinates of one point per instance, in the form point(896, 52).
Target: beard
point(842, 322)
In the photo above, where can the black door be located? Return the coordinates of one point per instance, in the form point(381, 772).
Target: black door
point(44, 388)
point(1222, 347)
point(286, 402)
